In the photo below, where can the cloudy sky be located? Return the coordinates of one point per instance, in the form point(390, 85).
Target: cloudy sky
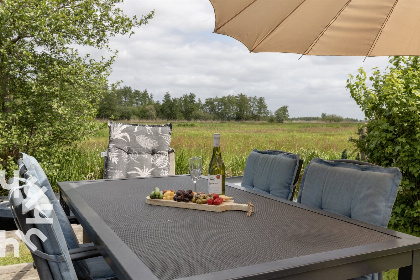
point(177, 52)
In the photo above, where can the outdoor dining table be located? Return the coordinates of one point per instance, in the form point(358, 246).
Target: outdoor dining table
point(281, 240)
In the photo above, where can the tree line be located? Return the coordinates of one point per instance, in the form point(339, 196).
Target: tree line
point(126, 103)
point(325, 118)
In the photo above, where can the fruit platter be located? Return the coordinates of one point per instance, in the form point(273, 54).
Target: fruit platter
point(197, 200)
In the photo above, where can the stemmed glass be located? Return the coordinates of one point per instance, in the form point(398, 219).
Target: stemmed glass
point(195, 170)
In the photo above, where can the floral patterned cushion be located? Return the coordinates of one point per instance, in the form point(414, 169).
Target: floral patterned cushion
point(137, 150)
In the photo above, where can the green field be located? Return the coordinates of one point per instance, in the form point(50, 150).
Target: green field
point(238, 139)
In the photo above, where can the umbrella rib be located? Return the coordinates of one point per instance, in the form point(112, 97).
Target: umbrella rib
point(382, 28)
point(272, 30)
point(235, 16)
point(326, 27)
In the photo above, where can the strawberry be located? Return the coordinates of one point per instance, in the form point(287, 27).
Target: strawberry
point(217, 201)
point(210, 201)
point(215, 196)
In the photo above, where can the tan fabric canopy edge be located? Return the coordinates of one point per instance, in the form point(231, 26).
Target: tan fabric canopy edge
point(322, 27)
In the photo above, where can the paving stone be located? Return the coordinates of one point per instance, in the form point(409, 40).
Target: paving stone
point(26, 271)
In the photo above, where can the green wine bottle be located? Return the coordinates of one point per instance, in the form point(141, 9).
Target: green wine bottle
point(216, 169)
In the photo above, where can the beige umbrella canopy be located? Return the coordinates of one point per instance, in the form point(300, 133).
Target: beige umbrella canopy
point(322, 27)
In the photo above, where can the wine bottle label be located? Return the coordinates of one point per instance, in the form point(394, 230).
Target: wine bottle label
point(215, 184)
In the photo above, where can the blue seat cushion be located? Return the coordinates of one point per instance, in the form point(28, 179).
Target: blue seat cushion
point(93, 268)
point(137, 150)
point(272, 172)
point(362, 192)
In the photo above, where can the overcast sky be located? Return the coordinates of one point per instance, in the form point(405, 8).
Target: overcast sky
point(177, 52)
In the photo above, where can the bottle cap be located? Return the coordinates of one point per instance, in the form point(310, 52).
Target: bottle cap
point(216, 140)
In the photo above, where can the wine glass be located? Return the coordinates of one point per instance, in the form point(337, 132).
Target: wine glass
point(195, 170)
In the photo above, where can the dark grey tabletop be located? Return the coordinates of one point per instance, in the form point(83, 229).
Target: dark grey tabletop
point(178, 243)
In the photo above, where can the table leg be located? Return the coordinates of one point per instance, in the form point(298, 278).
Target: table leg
point(404, 273)
point(416, 265)
point(64, 205)
point(411, 272)
point(86, 238)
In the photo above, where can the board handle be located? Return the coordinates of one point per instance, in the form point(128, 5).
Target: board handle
point(251, 209)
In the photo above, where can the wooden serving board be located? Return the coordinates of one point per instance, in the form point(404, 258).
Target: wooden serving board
point(225, 206)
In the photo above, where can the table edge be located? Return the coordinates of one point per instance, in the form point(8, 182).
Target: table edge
point(132, 265)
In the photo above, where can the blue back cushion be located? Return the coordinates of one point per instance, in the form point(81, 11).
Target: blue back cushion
point(362, 192)
point(35, 170)
point(272, 172)
point(54, 244)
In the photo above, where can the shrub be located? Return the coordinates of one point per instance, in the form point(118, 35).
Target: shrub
point(392, 107)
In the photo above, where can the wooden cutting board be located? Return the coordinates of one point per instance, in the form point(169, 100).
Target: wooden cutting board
point(225, 206)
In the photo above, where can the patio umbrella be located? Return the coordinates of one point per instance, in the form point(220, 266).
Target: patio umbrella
point(322, 27)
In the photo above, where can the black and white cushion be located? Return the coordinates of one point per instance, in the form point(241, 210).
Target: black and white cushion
point(137, 150)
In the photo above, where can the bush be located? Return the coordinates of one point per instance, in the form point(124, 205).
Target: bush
point(271, 118)
point(392, 106)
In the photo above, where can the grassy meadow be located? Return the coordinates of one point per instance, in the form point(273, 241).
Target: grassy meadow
point(238, 139)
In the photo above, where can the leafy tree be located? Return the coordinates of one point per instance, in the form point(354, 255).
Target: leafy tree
point(281, 114)
point(158, 107)
point(262, 109)
point(125, 112)
point(108, 106)
point(226, 107)
point(239, 107)
point(166, 106)
point(271, 118)
point(188, 105)
point(253, 103)
point(49, 94)
point(126, 96)
point(176, 109)
point(142, 98)
point(209, 106)
point(171, 108)
point(125, 102)
point(199, 113)
point(149, 112)
point(331, 118)
point(392, 108)
point(243, 111)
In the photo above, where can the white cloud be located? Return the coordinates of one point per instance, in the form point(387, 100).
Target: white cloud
point(178, 53)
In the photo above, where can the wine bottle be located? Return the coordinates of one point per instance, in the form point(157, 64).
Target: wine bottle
point(216, 169)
